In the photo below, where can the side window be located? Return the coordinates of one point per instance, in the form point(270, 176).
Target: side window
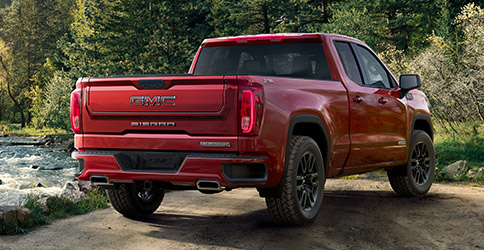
point(349, 62)
point(377, 75)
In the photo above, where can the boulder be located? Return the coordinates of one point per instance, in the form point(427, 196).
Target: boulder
point(1, 182)
point(72, 193)
point(33, 166)
point(16, 216)
point(40, 185)
point(455, 170)
point(85, 186)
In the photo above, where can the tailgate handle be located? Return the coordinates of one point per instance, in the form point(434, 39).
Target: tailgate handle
point(151, 84)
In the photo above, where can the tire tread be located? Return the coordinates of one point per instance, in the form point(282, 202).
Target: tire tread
point(399, 178)
point(283, 209)
point(123, 200)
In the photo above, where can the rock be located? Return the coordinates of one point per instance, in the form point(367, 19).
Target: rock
point(44, 168)
point(39, 185)
point(1, 182)
point(71, 193)
point(472, 173)
point(44, 203)
point(33, 166)
point(455, 170)
point(16, 216)
point(85, 185)
point(74, 195)
point(70, 186)
point(25, 217)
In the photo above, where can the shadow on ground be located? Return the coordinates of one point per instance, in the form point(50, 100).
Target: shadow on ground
point(347, 219)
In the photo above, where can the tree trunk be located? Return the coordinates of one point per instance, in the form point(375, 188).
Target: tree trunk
point(325, 11)
point(265, 14)
point(16, 104)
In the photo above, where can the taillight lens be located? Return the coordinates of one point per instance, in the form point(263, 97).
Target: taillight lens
point(76, 102)
point(250, 110)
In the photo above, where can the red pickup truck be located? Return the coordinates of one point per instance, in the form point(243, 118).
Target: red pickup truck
point(280, 113)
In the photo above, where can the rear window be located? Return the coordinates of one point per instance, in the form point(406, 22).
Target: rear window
point(303, 60)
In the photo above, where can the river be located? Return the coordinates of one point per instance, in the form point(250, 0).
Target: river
point(22, 168)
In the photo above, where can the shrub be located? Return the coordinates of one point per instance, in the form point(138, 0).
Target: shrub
point(56, 108)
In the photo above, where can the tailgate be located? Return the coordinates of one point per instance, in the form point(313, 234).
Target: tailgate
point(195, 105)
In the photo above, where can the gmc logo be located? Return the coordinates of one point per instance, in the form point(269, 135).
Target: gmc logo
point(152, 101)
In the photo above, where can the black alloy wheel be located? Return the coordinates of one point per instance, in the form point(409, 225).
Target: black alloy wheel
point(415, 178)
point(307, 183)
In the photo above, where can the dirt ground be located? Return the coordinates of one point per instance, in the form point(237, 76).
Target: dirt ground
point(356, 214)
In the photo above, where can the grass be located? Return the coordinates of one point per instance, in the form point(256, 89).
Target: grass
point(467, 144)
point(57, 208)
point(16, 130)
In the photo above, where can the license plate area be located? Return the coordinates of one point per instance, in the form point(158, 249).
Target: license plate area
point(166, 162)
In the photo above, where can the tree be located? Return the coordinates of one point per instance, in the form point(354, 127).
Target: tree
point(5, 66)
point(453, 71)
point(30, 29)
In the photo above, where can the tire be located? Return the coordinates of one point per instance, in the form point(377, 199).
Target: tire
point(302, 185)
point(133, 202)
point(416, 177)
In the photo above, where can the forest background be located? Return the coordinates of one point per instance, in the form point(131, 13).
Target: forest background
point(45, 45)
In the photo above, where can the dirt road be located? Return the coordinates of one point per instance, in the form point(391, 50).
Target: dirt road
point(356, 214)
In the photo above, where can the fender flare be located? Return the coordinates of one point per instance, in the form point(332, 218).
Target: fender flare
point(426, 118)
point(297, 119)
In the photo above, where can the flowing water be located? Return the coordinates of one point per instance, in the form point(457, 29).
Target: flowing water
point(20, 178)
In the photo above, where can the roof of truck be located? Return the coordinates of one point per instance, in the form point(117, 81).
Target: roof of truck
point(269, 38)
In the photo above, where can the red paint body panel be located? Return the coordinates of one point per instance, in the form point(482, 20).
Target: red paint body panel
point(362, 136)
point(192, 169)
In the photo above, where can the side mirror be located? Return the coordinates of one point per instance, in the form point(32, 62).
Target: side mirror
point(409, 82)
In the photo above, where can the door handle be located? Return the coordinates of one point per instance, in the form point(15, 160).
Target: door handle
point(382, 100)
point(357, 99)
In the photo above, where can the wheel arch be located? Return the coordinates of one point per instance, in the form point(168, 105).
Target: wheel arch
point(424, 123)
point(305, 125)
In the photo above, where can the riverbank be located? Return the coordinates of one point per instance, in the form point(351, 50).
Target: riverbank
point(62, 142)
point(37, 182)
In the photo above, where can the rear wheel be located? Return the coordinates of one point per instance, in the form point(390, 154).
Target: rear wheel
point(302, 186)
point(132, 201)
point(416, 177)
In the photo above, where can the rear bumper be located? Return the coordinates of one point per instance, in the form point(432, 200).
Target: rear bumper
point(229, 169)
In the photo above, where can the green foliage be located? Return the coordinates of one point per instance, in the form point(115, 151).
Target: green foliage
point(15, 129)
point(30, 29)
point(467, 145)
point(355, 20)
point(55, 111)
point(58, 208)
point(453, 71)
point(133, 37)
point(106, 38)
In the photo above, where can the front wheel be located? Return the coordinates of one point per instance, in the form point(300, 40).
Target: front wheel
point(132, 201)
point(302, 185)
point(416, 177)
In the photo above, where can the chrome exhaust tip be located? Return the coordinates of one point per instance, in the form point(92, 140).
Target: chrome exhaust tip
point(101, 181)
point(209, 185)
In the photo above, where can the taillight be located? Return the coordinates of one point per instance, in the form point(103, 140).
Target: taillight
point(76, 103)
point(250, 110)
